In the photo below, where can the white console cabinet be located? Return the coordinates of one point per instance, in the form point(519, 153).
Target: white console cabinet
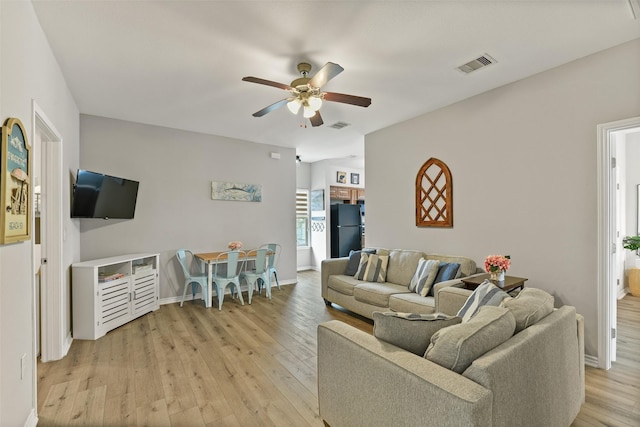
point(109, 292)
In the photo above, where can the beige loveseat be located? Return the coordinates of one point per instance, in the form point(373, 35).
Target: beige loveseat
point(533, 378)
point(364, 297)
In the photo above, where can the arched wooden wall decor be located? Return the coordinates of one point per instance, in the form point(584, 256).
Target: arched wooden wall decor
point(434, 195)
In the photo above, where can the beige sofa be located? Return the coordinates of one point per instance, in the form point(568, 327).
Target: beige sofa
point(534, 378)
point(366, 297)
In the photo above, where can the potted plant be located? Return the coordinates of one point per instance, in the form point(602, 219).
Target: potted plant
point(496, 265)
point(632, 243)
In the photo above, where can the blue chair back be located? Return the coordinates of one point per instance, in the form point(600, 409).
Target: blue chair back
point(261, 257)
point(274, 253)
point(234, 261)
point(181, 254)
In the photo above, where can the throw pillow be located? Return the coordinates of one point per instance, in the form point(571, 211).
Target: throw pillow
point(424, 276)
point(485, 294)
point(354, 261)
point(446, 271)
point(372, 268)
point(409, 331)
point(530, 306)
point(456, 347)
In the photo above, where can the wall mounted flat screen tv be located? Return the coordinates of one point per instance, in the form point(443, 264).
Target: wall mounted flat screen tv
point(96, 195)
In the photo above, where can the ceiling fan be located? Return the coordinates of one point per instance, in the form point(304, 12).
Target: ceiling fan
point(306, 94)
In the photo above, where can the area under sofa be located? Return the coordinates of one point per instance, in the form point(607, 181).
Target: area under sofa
point(363, 297)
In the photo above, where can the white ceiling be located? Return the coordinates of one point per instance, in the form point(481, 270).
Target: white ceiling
point(179, 64)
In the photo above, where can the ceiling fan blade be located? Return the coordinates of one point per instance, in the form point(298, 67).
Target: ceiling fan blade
point(316, 119)
point(271, 107)
point(266, 82)
point(346, 99)
point(326, 73)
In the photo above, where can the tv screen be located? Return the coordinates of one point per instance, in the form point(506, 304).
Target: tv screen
point(97, 195)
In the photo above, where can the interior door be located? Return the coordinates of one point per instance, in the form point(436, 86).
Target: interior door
point(618, 253)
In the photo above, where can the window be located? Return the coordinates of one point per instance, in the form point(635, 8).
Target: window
point(302, 217)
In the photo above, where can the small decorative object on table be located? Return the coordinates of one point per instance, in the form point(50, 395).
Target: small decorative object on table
point(496, 265)
point(235, 245)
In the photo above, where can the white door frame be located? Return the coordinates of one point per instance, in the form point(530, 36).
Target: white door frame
point(606, 236)
point(55, 343)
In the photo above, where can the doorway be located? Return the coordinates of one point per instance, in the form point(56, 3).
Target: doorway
point(49, 309)
point(609, 234)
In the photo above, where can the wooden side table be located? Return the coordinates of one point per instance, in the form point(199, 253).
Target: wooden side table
point(510, 283)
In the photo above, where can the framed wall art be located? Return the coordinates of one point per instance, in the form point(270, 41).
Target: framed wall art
point(341, 177)
point(355, 178)
point(317, 200)
point(235, 191)
point(434, 195)
point(15, 173)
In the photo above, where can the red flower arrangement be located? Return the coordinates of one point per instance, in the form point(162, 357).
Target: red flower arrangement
point(496, 263)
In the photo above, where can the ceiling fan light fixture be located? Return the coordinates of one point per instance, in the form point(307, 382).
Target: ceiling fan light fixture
point(308, 112)
point(294, 106)
point(315, 103)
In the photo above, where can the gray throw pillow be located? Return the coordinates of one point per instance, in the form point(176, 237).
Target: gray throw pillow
point(456, 347)
point(409, 331)
point(530, 306)
point(446, 271)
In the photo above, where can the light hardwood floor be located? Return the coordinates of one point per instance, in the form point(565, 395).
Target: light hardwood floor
point(251, 365)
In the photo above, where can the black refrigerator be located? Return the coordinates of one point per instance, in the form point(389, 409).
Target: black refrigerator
point(346, 229)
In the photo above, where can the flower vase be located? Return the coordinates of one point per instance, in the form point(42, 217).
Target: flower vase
point(497, 276)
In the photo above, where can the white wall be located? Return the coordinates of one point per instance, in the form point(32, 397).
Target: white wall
point(523, 162)
point(174, 208)
point(303, 181)
point(28, 71)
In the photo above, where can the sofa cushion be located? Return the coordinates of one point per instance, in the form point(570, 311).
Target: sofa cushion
point(377, 293)
point(410, 331)
point(354, 261)
point(412, 303)
point(530, 306)
point(343, 284)
point(372, 268)
point(446, 271)
point(424, 276)
point(456, 347)
point(485, 294)
point(467, 265)
point(402, 265)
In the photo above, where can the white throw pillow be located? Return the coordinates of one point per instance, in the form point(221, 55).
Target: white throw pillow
point(485, 294)
point(424, 276)
point(372, 268)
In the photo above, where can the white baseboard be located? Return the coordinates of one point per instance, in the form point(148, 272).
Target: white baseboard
point(304, 267)
point(591, 361)
point(32, 420)
point(67, 344)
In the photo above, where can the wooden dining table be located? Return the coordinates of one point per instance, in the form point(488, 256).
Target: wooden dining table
point(211, 258)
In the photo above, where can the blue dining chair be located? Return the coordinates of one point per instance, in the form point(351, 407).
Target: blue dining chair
point(234, 261)
point(259, 273)
point(193, 279)
point(272, 260)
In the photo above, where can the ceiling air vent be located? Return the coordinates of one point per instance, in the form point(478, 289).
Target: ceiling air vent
point(339, 125)
point(477, 63)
